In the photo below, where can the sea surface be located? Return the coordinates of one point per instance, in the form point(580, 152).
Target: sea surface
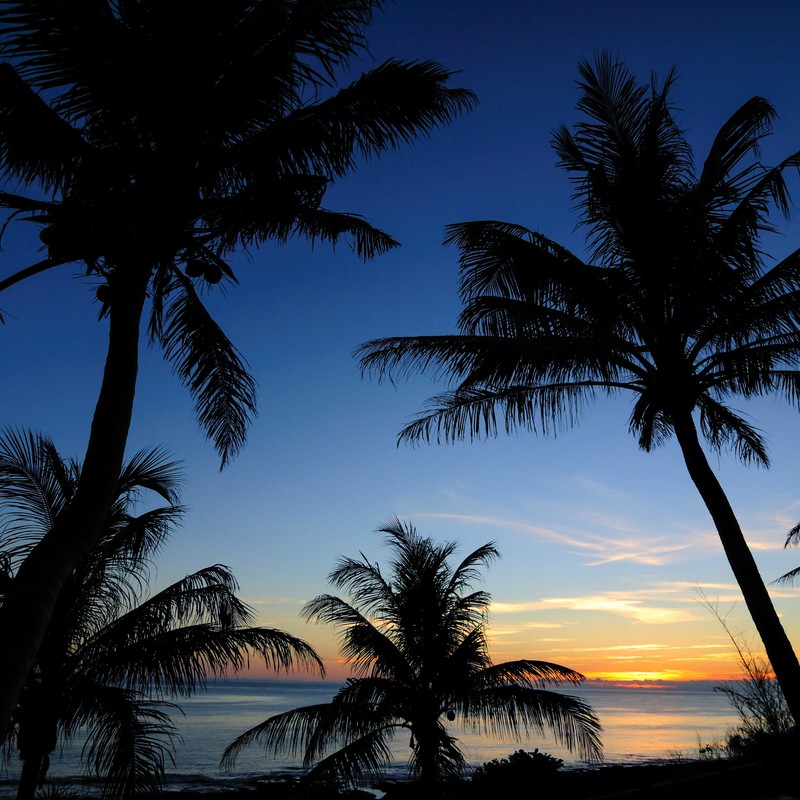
point(640, 725)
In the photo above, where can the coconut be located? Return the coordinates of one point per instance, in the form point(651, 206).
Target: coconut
point(213, 273)
point(195, 267)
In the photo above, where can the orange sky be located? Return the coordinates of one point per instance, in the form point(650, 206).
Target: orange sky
point(679, 642)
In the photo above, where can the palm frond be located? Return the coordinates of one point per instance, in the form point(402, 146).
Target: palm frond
point(208, 364)
point(722, 426)
point(535, 674)
point(367, 648)
point(505, 260)
point(361, 579)
point(30, 271)
point(65, 46)
point(737, 235)
point(790, 577)
point(288, 207)
point(152, 469)
point(178, 661)
point(107, 653)
point(738, 137)
point(356, 723)
point(649, 422)
point(467, 572)
point(288, 732)
point(504, 710)
point(35, 487)
point(37, 144)
point(359, 759)
point(473, 413)
point(207, 594)
point(392, 105)
point(130, 541)
point(194, 628)
point(316, 39)
point(450, 761)
point(128, 741)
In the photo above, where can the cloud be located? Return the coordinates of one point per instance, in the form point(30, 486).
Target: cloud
point(622, 605)
point(529, 625)
point(496, 632)
point(549, 639)
point(656, 648)
point(661, 603)
point(599, 550)
point(516, 608)
point(274, 601)
point(723, 587)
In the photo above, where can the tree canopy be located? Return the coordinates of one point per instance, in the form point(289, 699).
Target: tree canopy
point(674, 304)
point(150, 140)
point(415, 638)
point(115, 654)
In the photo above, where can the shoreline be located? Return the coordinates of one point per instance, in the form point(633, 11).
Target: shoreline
point(699, 778)
point(204, 783)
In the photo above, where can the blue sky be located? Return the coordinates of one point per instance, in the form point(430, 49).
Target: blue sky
point(603, 546)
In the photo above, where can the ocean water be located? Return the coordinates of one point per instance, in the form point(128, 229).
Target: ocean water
point(639, 726)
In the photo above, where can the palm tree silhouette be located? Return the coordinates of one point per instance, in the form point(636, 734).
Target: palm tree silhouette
point(674, 305)
point(416, 641)
point(156, 139)
point(111, 654)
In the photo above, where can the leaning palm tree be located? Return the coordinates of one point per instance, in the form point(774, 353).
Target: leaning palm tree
point(154, 139)
point(112, 655)
point(416, 641)
point(674, 305)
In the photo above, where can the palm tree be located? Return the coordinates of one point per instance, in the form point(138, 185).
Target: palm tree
point(674, 304)
point(112, 655)
point(155, 139)
point(416, 642)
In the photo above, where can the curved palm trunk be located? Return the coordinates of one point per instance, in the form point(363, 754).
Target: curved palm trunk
point(759, 604)
point(31, 600)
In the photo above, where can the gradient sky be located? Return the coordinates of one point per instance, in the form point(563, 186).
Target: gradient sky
point(605, 550)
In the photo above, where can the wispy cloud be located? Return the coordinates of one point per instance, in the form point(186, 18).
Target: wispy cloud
point(516, 608)
point(598, 550)
point(652, 648)
point(553, 640)
point(532, 625)
point(622, 605)
point(274, 601)
point(662, 603)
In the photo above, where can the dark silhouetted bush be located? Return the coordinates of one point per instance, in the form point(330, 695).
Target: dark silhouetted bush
point(522, 768)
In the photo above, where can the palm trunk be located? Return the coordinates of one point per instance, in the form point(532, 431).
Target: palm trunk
point(427, 758)
point(776, 643)
point(31, 600)
point(30, 778)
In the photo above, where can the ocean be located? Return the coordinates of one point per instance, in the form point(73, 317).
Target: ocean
point(641, 725)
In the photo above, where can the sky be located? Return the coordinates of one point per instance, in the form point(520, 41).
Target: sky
point(609, 558)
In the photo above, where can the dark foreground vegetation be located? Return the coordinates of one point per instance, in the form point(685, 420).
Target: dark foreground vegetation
point(764, 770)
point(732, 779)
